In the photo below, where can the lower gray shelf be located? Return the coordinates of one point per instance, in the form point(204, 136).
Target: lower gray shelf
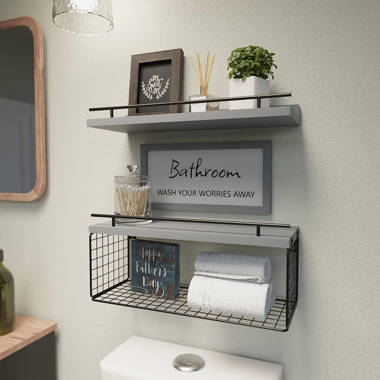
point(279, 116)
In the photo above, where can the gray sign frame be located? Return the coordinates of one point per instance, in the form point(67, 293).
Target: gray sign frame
point(265, 145)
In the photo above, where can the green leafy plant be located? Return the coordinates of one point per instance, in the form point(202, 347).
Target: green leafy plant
point(250, 60)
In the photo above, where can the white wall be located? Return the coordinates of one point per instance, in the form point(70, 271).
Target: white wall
point(326, 177)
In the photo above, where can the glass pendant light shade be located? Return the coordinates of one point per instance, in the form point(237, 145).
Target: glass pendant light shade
point(83, 16)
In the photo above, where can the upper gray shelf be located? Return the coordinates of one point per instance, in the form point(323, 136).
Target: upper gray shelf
point(279, 116)
point(213, 233)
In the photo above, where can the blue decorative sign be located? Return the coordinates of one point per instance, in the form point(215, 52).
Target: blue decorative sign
point(155, 268)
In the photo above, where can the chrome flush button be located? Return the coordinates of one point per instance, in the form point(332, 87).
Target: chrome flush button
point(188, 363)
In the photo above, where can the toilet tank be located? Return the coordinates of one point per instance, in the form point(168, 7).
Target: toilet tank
point(147, 359)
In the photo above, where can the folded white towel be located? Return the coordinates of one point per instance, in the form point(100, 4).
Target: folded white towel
point(234, 264)
point(232, 297)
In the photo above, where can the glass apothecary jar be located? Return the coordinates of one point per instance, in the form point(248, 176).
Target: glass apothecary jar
point(133, 196)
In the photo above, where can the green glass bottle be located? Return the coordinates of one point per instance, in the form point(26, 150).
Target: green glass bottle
point(7, 298)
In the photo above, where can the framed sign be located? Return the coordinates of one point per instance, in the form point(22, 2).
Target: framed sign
point(155, 268)
point(155, 78)
point(216, 177)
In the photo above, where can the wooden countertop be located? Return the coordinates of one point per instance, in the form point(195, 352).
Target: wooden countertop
point(26, 331)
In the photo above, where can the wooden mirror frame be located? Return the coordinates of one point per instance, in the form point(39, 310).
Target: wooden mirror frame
point(39, 110)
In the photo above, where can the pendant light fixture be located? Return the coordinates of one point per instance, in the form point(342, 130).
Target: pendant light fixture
point(83, 16)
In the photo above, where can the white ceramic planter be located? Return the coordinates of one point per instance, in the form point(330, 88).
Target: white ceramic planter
point(251, 86)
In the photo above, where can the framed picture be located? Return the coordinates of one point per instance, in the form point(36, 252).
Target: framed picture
point(216, 177)
point(155, 268)
point(156, 78)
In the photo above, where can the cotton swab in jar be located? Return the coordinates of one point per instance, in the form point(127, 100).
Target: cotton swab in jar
point(132, 201)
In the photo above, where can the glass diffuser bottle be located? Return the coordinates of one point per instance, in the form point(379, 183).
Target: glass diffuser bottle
point(133, 196)
point(203, 107)
point(7, 298)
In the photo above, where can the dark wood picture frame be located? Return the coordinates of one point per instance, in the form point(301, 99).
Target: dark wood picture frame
point(175, 56)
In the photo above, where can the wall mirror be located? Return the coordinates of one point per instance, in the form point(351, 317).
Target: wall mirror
point(22, 111)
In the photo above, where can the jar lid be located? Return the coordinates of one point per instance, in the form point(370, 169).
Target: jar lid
point(132, 169)
point(132, 172)
point(133, 175)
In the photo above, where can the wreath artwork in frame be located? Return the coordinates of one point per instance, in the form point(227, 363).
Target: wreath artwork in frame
point(156, 78)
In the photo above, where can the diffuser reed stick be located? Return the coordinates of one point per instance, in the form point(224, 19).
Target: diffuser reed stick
point(204, 74)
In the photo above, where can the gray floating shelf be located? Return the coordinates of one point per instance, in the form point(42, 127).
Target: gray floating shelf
point(213, 233)
point(279, 116)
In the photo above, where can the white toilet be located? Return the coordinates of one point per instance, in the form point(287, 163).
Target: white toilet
point(147, 359)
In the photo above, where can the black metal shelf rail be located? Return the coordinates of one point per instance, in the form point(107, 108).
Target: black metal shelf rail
point(110, 284)
point(185, 102)
point(257, 225)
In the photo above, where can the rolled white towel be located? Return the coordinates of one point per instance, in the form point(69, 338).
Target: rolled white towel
point(234, 264)
point(236, 277)
point(231, 297)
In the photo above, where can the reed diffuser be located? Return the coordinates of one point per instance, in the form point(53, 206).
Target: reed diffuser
point(204, 75)
point(133, 196)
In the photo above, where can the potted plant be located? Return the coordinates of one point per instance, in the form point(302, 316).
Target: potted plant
point(249, 70)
